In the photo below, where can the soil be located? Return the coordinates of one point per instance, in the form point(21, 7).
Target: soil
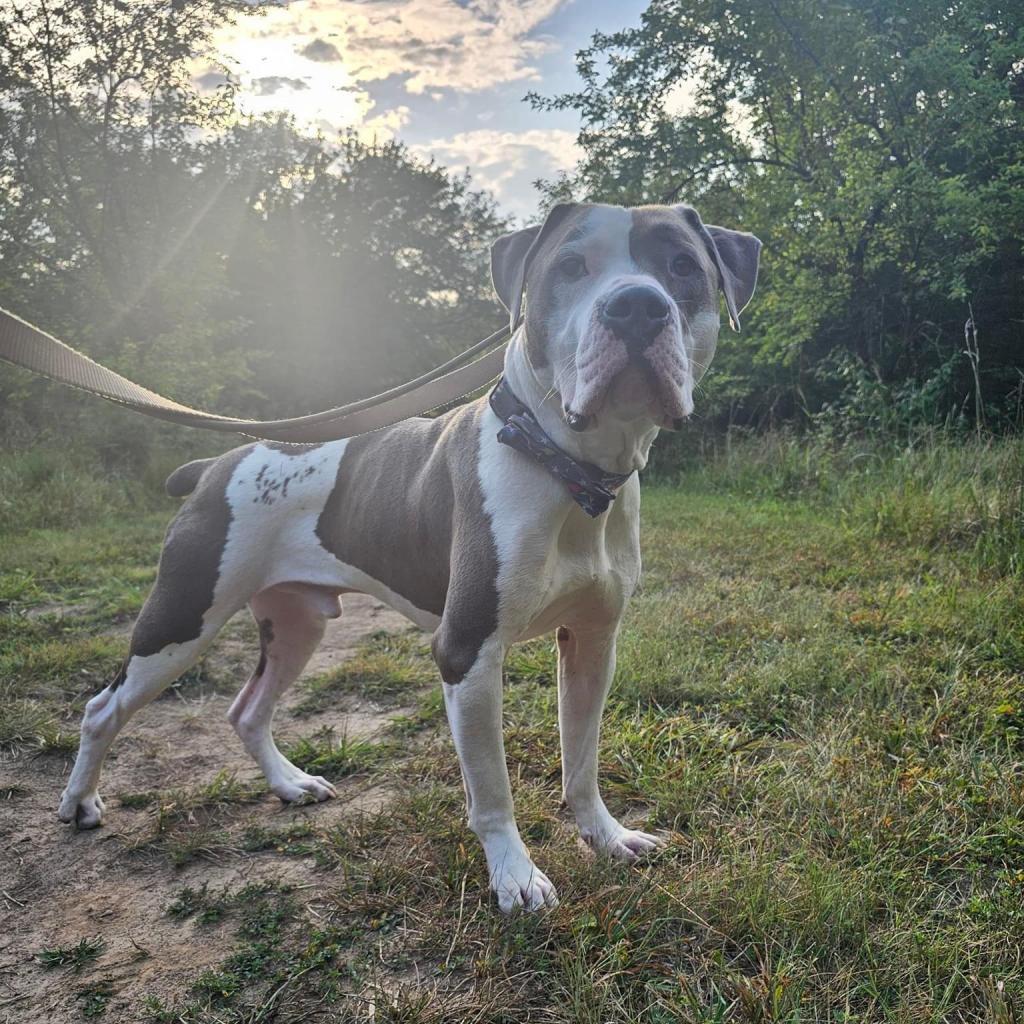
point(58, 886)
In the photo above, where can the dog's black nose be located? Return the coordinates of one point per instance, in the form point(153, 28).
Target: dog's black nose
point(636, 313)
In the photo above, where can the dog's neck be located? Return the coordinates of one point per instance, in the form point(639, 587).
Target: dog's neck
point(611, 443)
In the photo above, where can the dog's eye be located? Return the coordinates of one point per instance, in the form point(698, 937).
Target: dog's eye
point(573, 267)
point(683, 265)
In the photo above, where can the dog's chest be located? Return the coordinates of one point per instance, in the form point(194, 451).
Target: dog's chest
point(588, 575)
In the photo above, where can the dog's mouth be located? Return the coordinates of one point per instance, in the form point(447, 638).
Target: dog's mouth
point(628, 382)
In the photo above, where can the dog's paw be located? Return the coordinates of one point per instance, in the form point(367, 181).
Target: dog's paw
point(621, 843)
point(86, 812)
point(519, 883)
point(298, 787)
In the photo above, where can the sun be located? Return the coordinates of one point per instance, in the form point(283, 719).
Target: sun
point(275, 73)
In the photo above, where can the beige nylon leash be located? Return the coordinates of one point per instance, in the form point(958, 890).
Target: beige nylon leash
point(25, 345)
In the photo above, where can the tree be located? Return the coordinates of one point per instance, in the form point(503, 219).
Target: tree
point(878, 150)
point(233, 263)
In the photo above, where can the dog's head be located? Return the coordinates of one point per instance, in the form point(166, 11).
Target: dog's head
point(622, 304)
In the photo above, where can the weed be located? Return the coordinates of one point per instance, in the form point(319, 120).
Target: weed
point(336, 756)
point(387, 669)
point(94, 998)
point(76, 957)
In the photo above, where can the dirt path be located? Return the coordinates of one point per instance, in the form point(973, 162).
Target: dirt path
point(58, 886)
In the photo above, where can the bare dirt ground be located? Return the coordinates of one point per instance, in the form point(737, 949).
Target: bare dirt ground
point(58, 886)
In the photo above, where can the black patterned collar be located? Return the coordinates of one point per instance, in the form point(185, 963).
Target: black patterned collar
point(591, 487)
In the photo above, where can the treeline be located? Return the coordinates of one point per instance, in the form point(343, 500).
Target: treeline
point(877, 147)
point(236, 264)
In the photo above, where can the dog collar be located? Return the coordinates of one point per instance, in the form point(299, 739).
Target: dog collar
point(591, 487)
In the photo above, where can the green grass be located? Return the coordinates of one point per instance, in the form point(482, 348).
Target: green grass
point(387, 669)
point(819, 700)
point(73, 957)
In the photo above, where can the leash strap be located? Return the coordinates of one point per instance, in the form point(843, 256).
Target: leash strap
point(591, 487)
point(25, 345)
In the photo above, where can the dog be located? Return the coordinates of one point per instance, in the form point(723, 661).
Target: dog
point(504, 519)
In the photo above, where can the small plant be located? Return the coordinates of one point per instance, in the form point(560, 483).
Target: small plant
point(386, 669)
point(95, 998)
point(137, 800)
point(337, 757)
point(75, 957)
point(200, 903)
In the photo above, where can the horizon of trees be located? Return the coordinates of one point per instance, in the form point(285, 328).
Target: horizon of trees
point(877, 148)
point(237, 264)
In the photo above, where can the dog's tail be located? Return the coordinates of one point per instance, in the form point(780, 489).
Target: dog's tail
point(184, 479)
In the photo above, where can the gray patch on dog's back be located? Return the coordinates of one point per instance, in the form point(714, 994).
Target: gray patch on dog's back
point(407, 509)
point(190, 563)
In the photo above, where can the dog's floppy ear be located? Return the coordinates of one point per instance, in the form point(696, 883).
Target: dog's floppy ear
point(512, 254)
point(736, 255)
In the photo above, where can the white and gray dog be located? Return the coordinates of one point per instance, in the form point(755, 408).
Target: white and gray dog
point(490, 524)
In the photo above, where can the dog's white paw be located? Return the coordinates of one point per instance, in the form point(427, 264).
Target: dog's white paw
point(518, 882)
point(298, 787)
point(620, 842)
point(84, 812)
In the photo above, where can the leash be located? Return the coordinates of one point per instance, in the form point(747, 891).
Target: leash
point(31, 348)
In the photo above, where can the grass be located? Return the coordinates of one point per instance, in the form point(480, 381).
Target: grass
point(384, 670)
point(73, 957)
point(819, 700)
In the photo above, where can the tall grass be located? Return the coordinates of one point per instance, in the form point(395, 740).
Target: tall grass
point(63, 488)
point(936, 491)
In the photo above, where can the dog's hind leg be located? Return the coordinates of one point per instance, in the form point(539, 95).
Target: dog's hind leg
point(142, 679)
point(196, 591)
point(291, 618)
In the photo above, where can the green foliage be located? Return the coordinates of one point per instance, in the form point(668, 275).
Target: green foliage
point(337, 756)
point(876, 148)
point(231, 263)
point(932, 492)
point(76, 957)
point(387, 669)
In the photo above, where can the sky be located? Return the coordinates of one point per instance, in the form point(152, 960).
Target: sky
point(447, 77)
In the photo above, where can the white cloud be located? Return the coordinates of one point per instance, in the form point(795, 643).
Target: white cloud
point(317, 59)
point(384, 126)
point(507, 163)
point(434, 43)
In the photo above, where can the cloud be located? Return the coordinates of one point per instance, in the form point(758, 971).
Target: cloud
point(270, 84)
point(320, 50)
point(385, 126)
point(320, 59)
point(507, 163)
point(210, 80)
point(463, 45)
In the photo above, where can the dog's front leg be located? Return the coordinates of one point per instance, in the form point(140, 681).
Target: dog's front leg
point(474, 711)
point(586, 664)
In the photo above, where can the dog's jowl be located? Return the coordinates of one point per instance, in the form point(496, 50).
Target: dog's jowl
point(510, 517)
